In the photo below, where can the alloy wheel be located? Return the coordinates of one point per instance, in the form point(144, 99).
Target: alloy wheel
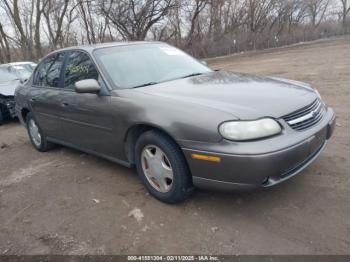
point(34, 132)
point(157, 168)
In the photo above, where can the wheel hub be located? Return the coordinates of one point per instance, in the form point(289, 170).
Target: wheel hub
point(34, 132)
point(157, 168)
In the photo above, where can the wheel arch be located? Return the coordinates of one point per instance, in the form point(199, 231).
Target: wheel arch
point(24, 113)
point(134, 132)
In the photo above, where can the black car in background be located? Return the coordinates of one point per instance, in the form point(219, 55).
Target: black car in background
point(8, 85)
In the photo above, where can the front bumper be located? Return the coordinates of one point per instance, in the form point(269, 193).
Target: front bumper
point(9, 105)
point(254, 168)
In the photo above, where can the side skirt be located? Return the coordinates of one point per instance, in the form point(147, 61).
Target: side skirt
point(91, 152)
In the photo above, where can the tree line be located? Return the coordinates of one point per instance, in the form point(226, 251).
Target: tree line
point(30, 29)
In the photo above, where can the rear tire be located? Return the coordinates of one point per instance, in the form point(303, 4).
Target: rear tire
point(37, 137)
point(159, 161)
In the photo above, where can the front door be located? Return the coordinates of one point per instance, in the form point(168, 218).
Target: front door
point(86, 118)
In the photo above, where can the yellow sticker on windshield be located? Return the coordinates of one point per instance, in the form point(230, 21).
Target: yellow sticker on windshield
point(79, 69)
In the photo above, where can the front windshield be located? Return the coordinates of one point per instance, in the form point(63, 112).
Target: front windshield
point(132, 66)
point(6, 77)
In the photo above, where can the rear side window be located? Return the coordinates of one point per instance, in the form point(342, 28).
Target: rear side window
point(48, 74)
point(79, 67)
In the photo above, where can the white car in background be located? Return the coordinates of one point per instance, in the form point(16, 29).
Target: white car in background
point(8, 84)
point(22, 70)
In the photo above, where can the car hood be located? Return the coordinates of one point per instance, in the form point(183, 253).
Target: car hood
point(8, 88)
point(245, 96)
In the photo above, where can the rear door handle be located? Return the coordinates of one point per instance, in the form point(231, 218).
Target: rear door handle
point(65, 104)
point(32, 100)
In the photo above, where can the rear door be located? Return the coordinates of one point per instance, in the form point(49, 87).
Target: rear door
point(45, 95)
point(86, 118)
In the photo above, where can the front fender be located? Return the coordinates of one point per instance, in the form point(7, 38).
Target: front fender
point(181, 120)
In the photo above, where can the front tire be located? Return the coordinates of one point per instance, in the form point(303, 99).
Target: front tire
point(36, 135)
point(162, 167)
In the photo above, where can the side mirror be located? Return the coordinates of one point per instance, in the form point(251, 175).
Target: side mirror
point(87, 86)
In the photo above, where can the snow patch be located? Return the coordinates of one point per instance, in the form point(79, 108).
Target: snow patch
point(137, 214)
point(24, 173)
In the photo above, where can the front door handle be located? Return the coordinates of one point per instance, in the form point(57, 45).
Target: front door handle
point(65, 104)
point(32, 100)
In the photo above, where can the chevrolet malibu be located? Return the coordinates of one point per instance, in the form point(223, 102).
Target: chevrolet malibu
point(181, 124)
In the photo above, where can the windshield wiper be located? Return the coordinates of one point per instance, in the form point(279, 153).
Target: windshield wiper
point(194, 74)
point(147, 84)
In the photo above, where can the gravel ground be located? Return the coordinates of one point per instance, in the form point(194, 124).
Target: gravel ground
point(66, 202)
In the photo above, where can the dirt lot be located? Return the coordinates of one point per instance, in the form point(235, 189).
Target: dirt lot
point(66, 202)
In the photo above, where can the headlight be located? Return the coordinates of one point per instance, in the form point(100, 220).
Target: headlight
point(248, 130)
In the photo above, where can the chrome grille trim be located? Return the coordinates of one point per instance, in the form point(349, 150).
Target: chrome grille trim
point(306, 117)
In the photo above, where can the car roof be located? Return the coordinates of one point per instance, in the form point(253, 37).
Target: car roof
point(90, 48)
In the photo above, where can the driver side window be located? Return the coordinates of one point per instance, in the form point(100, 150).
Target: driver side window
point(79, 67)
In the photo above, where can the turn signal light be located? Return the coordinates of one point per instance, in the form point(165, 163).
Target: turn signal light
point(206, 157)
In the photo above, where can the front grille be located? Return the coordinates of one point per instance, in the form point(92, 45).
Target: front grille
point(306, 117)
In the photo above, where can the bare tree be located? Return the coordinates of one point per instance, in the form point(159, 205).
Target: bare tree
point(233, 15)
point(258, 14)
point(316, 10)
point(96, 27)
point(55, 13)
point(30, 28)
point(344, 11)
point(40, 7)
point(13, 10)
point(176, 22)
point(134, 18)
point(85, 12)
point(194, 11)
point(5, 46)
point(171, 27)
